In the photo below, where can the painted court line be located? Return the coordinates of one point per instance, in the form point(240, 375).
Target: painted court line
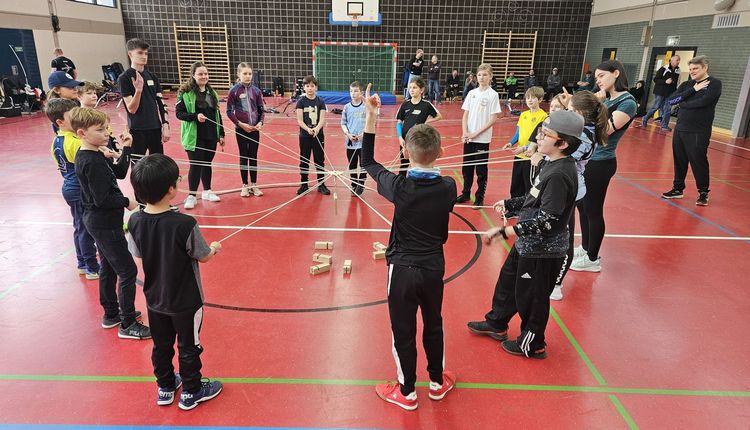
point(38, 271)
point(601, 389)
point(385, 230)
point(133, 427)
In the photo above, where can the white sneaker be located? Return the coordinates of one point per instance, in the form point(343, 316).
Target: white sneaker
point(245, 191)
point(578, 252)
point(190, 202)
point(556, 293)
point(255, 190)
point(584, 264)
point(210, 196)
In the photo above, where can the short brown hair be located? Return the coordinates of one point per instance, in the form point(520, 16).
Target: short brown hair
point(88, 86)
point(486, 67)
point(356, 84)
point(535, 92)
point(56, 108)
point(136, 44)
point(310, 79)
point(700, 60)
point(83, 118)
point(423, 143)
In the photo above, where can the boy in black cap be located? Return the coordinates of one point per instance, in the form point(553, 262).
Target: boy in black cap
point(537, 259)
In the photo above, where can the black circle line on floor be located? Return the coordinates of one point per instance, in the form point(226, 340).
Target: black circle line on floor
point(461, 271)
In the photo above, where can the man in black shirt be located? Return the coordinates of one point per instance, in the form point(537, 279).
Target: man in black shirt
point(63, 64)
point(537, 260)
point(697, 99)
point(665, 83)
point(415, 68)
point(170, 245)
point(141, 92)
point(423, 200)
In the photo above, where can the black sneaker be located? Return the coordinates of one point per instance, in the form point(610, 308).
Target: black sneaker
point(478, 203)
point(209, 390)
point(702, 199)
point(512, 347)
point(322, 189)
point(483, 328)
point(112, 322)
point(136, 331)
point(674, 193)
point(302, 188)
point(462, 198)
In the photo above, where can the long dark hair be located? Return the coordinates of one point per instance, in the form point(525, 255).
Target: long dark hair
point(621, 82)
point(594, 112)
point(191, 85)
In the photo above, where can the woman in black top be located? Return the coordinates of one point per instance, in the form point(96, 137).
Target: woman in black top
point(198, 109)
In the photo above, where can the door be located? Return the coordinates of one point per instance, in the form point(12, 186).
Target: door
point(660, 57)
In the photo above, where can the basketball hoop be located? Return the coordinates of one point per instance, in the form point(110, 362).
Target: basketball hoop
point(355, 19)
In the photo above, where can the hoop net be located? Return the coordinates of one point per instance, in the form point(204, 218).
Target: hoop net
point(355, 19)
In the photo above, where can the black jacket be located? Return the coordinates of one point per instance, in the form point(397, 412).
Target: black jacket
point(697, 109)
point(662, 88)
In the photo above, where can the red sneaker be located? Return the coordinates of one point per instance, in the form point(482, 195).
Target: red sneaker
point(437, 392)
point(391, 393)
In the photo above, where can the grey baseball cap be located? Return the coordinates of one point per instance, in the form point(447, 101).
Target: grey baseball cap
point(566, 122)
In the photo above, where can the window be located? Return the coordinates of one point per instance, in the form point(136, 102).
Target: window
point(107, 3)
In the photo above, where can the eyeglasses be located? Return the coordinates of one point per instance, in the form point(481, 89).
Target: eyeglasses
point(543, 134)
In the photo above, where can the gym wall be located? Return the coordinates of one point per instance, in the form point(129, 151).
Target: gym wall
point(276, 36)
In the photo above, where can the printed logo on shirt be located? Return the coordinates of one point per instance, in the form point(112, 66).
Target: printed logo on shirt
point(526, 276)
point(534, 191)
point(312, 113)
point(416, 112)
point(150, 82)
point(243, 96)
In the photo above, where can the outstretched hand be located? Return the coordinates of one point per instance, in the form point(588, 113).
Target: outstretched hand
point(372, 102)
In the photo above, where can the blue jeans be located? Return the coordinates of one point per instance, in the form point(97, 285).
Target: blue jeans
point(84, 243)
point(661, 103)
point(433, 90)
point(116, 261)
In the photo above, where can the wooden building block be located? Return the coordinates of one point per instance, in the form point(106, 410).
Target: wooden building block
point(348, 267)
point(378, 255)
point(322, 258)
point(377, 246)
point(320, 268)
point(323, 245)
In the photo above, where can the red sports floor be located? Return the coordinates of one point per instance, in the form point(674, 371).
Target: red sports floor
point(656, 340)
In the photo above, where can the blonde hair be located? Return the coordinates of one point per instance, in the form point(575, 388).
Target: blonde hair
point(535, 92)
point(423, 143)
point(486, 67)
point(83, 118)
point(700, 60)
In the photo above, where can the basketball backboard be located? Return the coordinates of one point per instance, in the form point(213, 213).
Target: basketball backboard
point(355, 13)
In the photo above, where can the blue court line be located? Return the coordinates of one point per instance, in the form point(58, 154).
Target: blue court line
point(682, 208)
point(116, 427)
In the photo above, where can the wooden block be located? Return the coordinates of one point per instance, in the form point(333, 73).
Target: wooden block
point(320, 268)
point(329, 245)
point(321, 245)
point(377, 246)
point(348, 267)
point(378, 255)
point(322, 258)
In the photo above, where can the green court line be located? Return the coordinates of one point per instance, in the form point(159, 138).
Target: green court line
point(623, 412)
point(598, 376)
point(38, 271)
point(371, 382)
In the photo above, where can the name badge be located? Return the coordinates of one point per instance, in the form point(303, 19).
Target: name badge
point(534, 191)
point(416, 112)
point(150, 82)
point(243, 96)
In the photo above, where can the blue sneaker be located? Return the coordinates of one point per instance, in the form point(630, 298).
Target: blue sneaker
point(209, 390)
point(165, 396)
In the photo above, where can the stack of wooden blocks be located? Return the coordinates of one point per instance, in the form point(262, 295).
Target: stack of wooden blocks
point(379, 251)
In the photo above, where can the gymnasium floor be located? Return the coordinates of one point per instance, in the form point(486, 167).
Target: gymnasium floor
point(656, 340)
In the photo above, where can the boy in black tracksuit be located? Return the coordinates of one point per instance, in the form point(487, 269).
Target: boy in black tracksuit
point(423, 201)
point(537, 260)
point(170, 245)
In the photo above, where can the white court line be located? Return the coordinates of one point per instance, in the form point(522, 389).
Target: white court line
point(380, 230)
